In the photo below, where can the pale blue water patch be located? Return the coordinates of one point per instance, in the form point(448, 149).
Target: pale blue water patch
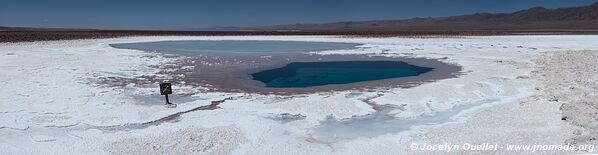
point(244, 46)
point(381, 123)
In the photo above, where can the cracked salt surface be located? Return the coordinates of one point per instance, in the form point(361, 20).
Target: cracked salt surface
point(381, 122)
point(52, 95)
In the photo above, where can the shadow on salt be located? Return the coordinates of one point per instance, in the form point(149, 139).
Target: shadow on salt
point(381, 123)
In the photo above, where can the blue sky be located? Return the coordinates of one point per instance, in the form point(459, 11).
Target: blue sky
point(182, 14)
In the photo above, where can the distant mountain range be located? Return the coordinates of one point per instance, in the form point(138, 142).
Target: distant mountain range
point(4, 28)
point(582, 18)
point(538, 18)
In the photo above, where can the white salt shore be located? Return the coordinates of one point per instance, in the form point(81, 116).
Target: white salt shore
point(51, 101)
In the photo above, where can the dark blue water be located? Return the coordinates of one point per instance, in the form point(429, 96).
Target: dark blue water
point(235, 46)
point(307, 74)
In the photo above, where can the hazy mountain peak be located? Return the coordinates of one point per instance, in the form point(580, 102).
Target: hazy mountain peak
point(584, 17)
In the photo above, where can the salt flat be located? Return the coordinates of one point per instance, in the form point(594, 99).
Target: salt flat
point(52, 100)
